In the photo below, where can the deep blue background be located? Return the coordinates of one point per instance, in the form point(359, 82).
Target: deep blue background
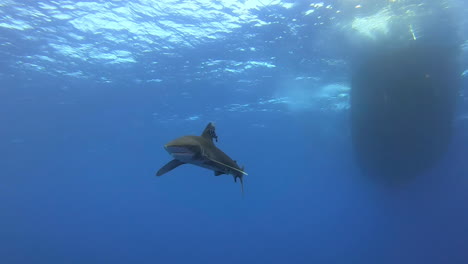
point(80, 188)
point(78, 161)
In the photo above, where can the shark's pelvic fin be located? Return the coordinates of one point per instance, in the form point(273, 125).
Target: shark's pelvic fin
point(232, 168)
point(217, 173)
point(209, 132)
point(169, 166)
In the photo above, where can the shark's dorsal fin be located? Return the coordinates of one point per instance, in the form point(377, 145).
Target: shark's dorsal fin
point(209, 132)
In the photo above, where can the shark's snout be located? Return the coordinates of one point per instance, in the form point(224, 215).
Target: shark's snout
point(182, 153)
point(178, 150)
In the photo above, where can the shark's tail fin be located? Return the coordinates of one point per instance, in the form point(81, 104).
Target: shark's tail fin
point(241, 178)
point(242, 185)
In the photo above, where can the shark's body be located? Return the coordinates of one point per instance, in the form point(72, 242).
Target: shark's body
point(201, 151)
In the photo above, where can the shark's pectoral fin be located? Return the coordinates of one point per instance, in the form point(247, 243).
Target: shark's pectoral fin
point(217, 173)
point(169, 166)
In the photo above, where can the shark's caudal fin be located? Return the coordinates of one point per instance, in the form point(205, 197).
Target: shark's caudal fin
point(242, 185)
point(241, 179)
point(169, 166)
point(209, 132)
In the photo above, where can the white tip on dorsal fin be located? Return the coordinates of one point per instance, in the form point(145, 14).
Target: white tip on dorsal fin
point(209, 132)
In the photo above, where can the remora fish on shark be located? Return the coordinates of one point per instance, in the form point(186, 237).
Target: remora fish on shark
point(201, 151)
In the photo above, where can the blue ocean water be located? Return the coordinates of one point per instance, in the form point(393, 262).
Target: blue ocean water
point(92, 90)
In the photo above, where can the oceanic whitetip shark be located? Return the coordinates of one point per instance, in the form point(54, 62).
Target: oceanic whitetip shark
point(201, 151)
